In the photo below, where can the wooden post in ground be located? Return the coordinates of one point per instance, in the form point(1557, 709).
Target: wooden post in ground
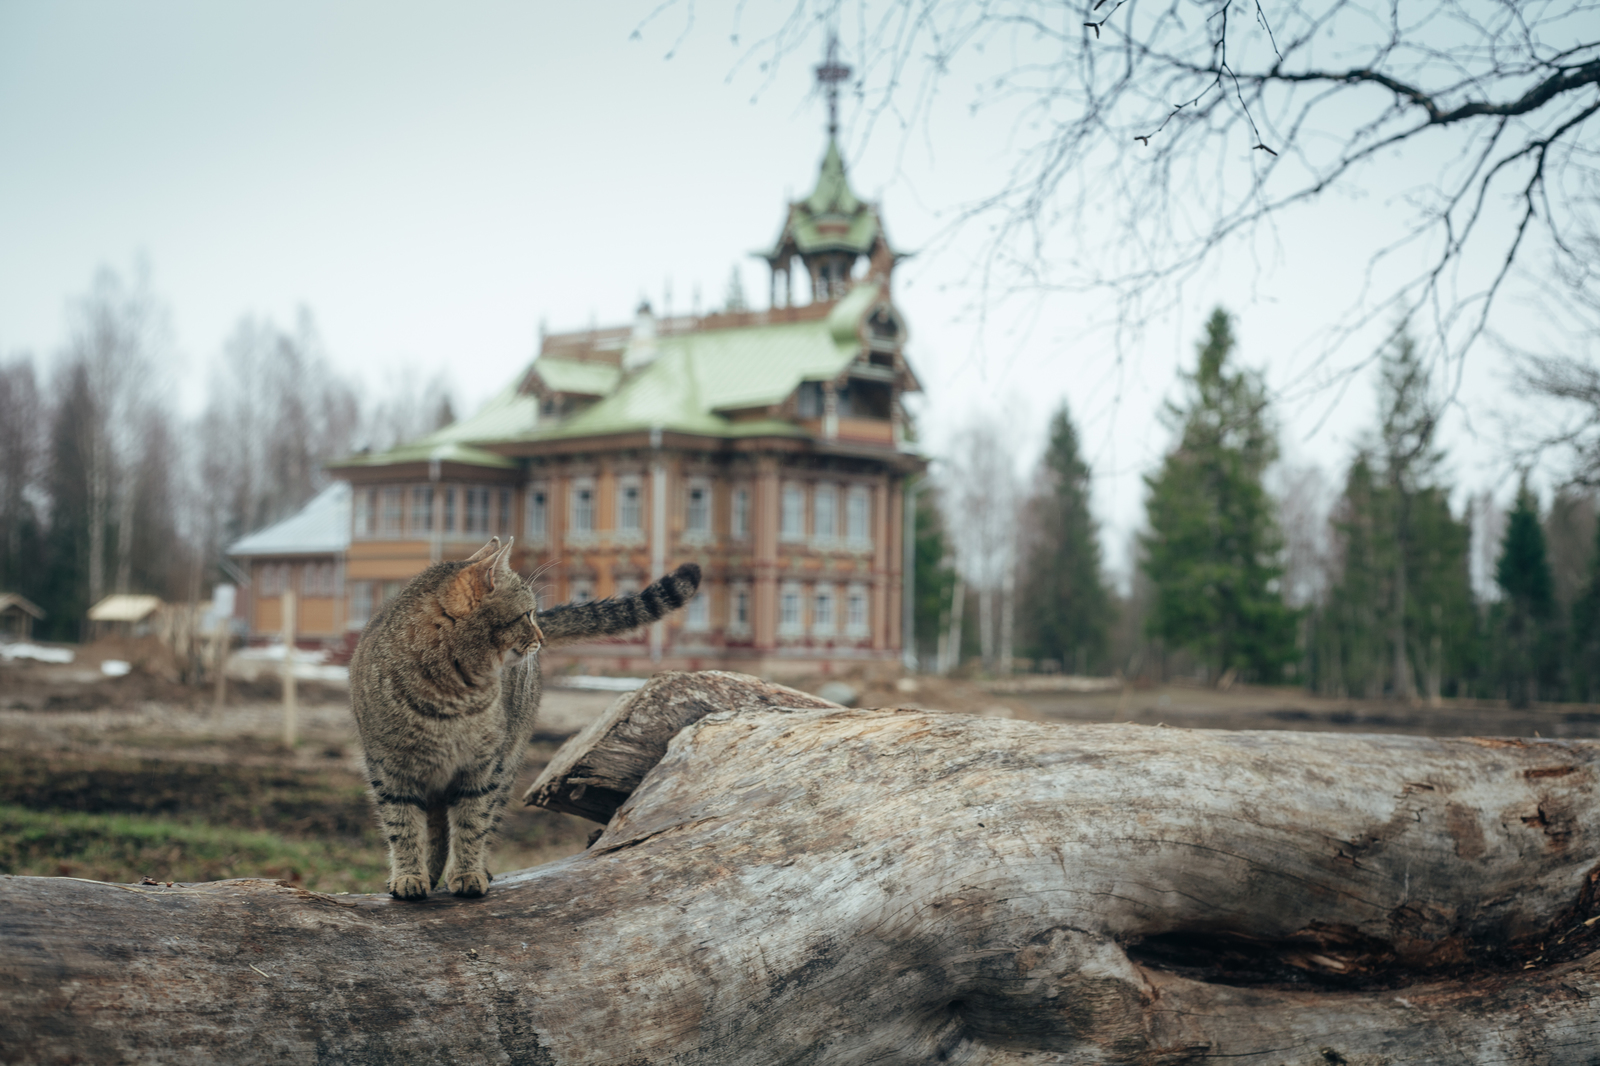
point(219, 662)
point(290, 711)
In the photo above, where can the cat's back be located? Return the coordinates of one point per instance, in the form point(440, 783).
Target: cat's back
point(392, 642)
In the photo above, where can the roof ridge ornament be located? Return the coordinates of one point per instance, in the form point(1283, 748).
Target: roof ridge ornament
point(830, 72)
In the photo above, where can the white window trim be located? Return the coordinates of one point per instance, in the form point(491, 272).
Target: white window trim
point(864, 541)
point(740, 492)
point(796, 628)
point(575, 533)
point(798, 534)
point(697, 612)
point(820, 492)
point(702, 535)
point(831, 626)
point(862, 628)
point(735, 590)
point(636, 483)
point(541, 535)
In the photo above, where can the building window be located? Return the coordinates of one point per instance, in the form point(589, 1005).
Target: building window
point(450, 509)
point(391, 589)
point(739, 521)
point(857, 508)
point(538, 516)
point(360, 604)
point(476, 519)
point(810, 399)
point(698, 517)
point(739, 610)
point(317, 579)
point(421, 510)
point(697, 614)
point(630, 508)
point(504, 513)
point(855, 613)
point(790, 620)
point(273, 579)
point(792, 520)
point(389, 518)
point(366, 512)
point(582, 509)
point(582, 590)
point(627, 586)
point(822, 610)
point(824, 513)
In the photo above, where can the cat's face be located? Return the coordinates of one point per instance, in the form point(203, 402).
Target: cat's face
point(491, 610)
point(510, 612)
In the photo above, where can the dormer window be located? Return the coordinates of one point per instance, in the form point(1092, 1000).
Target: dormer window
point(810, 399)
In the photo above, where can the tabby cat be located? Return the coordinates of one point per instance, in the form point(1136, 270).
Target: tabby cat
point(445, 688)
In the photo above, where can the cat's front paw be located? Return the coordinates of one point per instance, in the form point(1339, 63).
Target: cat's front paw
point(470, 885)
point(409, 886)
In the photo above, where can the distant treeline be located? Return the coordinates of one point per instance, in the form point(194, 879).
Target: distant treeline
point(105, 488)
point(1237, 582)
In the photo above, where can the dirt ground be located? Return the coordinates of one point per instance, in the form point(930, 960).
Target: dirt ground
point(123, 778)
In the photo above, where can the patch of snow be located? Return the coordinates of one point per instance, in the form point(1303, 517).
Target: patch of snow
point(115, 667)
point(600, 684)
point(37, 652)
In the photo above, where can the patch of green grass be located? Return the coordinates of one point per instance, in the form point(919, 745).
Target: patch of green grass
point(125, 848)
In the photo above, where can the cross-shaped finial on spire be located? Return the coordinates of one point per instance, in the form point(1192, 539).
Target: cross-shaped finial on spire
point(829, 74)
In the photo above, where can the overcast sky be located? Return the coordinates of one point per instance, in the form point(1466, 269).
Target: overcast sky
point(433, 182)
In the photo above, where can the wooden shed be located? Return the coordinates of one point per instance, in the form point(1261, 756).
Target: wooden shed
point(17, 615)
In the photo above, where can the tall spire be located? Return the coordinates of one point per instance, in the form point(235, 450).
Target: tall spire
point(829, 74)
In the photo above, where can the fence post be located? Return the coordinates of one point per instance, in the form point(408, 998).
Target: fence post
point(290, 726)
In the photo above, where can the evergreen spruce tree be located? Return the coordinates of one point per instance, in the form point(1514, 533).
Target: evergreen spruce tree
point(1442, 620)
point(1064, 612)
point(1400, 612)
point(1213, 547)
point(1584, 651)
point(1523, 615)
point(934, 577)
point(1351, 634)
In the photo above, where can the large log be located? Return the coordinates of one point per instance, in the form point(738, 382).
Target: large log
point(823, 885)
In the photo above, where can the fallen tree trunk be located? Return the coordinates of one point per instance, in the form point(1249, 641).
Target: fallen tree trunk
point(823, 885)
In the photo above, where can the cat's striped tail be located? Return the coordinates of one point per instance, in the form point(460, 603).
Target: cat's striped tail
point(599, 618)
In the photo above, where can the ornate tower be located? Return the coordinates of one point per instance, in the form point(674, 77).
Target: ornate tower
point(833, 229)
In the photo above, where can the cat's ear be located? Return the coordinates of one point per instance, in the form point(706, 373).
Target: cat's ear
point(503, 557)
point(485, 551)
point(471, 584)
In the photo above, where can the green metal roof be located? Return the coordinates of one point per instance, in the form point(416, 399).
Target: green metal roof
point(581, 378)
point(833, 217)
point(694, 378)
point(832, 196)
point(426, 451)
point(509, 413)
point(696, 375)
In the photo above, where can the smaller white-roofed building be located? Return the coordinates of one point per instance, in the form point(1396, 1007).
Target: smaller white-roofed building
point(304, 552)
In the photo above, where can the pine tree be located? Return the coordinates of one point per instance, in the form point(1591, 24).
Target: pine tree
point(1065, 612)
point(1523, 616)
point(1213, 547)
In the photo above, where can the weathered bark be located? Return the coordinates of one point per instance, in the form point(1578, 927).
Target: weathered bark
point(826, 885)
point(595, 772)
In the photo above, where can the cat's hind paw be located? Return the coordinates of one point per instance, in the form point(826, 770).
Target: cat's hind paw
point(470, 885)
point(409, 886)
